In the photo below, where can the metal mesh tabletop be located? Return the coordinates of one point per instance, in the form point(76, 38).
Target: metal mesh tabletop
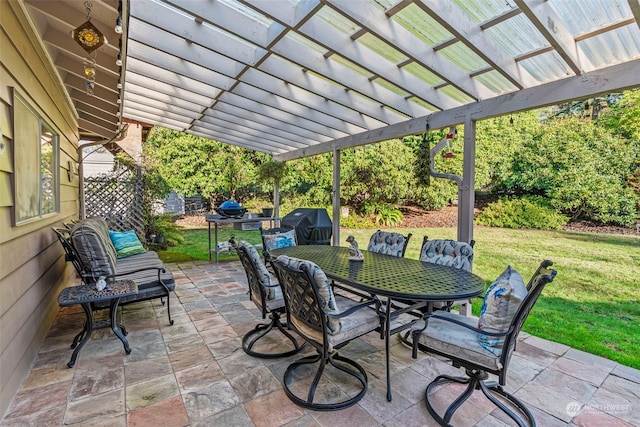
point(88, 293)
point(391, 276)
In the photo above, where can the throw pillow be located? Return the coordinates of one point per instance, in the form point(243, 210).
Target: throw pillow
point(126, 243)
point(327, 299)
point(280, 240)
point(501, 302)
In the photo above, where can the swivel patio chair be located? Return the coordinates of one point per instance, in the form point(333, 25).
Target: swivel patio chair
point(388, 243)
point(484, 346)
point(453, 254)
point(267, 296)
point(327, 322)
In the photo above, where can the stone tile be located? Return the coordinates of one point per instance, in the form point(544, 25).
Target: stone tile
point(414, 416)
point(145, 345)
point(202, 314)
point(535, 354)
point(184, 342)
point(94, 409)
point(593, 374)
point(547, 399)
point(565, 385)
point(148, 369)
point(238, 363)
point(352, 416)
point(410, 384)
point(167, 413)
point(376, 404)
point(254, 383)
point(151, 391)
point(199, 376)
point(179, 329)
point(590, 359)
point(262, 414)
point(305, 421)
point(37, 399)
point(546, 345)
point(627, 373)
point(96, 376)
point(210, 400)
point(210, 323)
point(236, 417)
point(589, 417)
point(618, 397)
point(491, 421)
point(218, 334)
point(47, 375)
point(520, 371)
point(195, 355)
point(46, 418)
point(221, 349)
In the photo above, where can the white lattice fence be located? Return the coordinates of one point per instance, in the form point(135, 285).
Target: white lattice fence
point(116, 199)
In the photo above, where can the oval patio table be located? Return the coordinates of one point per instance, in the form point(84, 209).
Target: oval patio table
point(401, 279)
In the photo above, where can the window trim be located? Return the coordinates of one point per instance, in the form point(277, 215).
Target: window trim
point(44, 127)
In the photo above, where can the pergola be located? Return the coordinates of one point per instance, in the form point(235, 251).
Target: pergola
point(295, 78)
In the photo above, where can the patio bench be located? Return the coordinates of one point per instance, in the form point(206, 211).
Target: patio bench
point(89, 248)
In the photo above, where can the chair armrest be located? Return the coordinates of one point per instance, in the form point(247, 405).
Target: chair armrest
point(353, 309)
point(158, 269)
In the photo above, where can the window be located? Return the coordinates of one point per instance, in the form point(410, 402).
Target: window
point(35, 164)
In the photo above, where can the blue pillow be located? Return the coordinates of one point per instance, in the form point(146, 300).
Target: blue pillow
point(126, 243)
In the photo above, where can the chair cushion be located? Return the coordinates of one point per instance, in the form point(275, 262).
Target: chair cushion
point(354, 325)
point(280, 240)
point(126, 243)
point(384, 242)
point(90, 237)
point(263, 274)
point(449, 253)
point(327, 298)
point(501, 302)
point(457, 341)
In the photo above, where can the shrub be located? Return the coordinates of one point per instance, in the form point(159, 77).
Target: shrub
point(388, 215)
point(525, 212)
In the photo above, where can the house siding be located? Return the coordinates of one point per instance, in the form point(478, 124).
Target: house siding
point(32, 265)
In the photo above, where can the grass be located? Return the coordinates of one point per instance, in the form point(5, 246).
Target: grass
point(593, 305)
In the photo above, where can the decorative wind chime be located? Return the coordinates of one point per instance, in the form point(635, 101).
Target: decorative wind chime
point(91, 39)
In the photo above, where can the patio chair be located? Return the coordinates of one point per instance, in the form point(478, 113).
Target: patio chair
point(328, 322)
point(389, 243)
point(267, 296)
point(453, 254)
point(484, 346)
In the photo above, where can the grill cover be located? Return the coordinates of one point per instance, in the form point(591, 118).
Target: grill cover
point(313, 226)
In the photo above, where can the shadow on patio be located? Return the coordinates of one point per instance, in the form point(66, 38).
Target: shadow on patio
point(195, 373)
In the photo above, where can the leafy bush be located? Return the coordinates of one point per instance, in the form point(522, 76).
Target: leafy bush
point(388, 215)
point(164, 230)
point(525, 212)
point(355, 221)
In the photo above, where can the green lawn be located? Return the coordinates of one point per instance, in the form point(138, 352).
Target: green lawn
point(593, 305)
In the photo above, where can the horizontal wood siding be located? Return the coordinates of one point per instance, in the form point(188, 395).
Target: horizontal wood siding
point(32, 265)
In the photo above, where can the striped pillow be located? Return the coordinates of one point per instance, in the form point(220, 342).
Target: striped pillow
point(126, 243)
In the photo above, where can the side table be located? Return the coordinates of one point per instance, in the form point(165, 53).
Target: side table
point(87, 294)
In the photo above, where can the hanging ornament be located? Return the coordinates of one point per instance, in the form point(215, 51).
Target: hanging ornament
point(450, 136)
point(90, 39)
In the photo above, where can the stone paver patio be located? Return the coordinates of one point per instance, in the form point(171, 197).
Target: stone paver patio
point(195, 373)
